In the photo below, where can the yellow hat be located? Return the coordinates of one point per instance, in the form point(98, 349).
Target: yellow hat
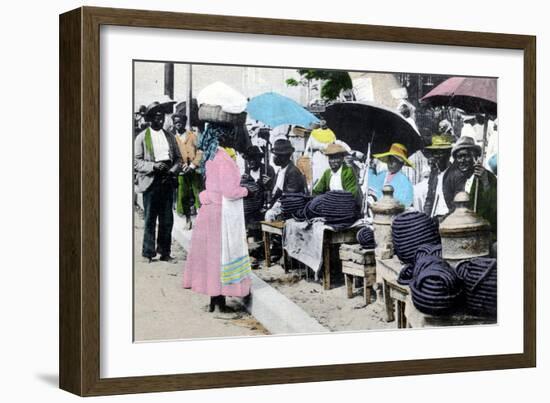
point(397, 150)
point(440, 142)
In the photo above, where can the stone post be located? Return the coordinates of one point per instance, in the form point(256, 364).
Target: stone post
point(384, 211)
point(464, 234)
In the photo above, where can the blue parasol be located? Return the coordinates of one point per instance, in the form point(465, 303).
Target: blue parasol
point(274, 110)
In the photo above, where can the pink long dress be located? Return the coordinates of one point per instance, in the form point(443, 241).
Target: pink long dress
point(202, 270)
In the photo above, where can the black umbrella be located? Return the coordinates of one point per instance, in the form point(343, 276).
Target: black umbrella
point(361, 123)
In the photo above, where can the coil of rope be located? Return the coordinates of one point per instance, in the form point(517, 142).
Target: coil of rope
point(410, 230)
point(435, 288)
point(365, 237)
point(480, 282)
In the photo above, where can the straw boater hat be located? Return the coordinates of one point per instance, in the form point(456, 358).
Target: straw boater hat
point(440, 142)
point(397, 150)
point(466, 143)
point(335, 149)
point(154, 107)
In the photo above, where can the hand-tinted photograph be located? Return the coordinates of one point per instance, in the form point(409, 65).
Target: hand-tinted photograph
point(279, 201)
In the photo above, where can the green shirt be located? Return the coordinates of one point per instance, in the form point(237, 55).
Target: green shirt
point(349, 182)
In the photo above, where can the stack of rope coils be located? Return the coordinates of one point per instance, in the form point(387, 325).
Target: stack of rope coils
point(410, 230)
point(339, 209)
point(407, 272)
point(480, 282)
point(435, 288)
point(293, 203)
point(254, 201)
point(365, 237)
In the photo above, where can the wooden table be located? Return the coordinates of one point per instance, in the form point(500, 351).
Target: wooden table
point(330, 238)
point(395, 295)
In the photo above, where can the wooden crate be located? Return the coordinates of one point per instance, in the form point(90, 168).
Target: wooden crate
point(355, 253)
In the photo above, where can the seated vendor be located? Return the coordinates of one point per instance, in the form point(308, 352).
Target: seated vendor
point(339, 176)
point(395, 158)
point(289, 179)
point(261, 178)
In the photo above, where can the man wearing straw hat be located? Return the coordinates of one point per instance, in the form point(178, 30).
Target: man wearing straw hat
point(339, 176)
point(395, 158)
point(428, 194)
point(466, 174)
point(157, 161)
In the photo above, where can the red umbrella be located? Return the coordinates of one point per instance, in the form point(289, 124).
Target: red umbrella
point(471, 94)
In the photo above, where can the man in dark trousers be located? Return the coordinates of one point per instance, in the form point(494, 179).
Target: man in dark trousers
point(157, 161)
point(289, 179)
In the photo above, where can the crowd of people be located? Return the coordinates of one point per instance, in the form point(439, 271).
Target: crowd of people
point(198, 174)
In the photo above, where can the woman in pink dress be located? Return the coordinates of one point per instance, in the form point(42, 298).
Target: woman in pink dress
point(215, 266)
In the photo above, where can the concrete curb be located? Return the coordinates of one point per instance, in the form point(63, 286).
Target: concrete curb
point(277, 313)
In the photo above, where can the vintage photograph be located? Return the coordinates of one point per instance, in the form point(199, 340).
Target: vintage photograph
point(277, 201)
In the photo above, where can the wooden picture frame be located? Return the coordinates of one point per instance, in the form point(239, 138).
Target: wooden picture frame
point(80, 199)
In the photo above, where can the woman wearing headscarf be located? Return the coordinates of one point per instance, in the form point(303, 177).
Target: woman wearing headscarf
point(395, 159)
point(218, 264)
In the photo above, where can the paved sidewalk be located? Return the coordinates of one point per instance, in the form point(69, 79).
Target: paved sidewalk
point(163, 310)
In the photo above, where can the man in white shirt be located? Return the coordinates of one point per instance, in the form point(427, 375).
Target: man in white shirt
point(339, 176)
point(428, 194)
point(157, 161)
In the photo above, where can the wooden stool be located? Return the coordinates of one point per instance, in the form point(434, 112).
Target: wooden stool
point(352, 270)
point(358, 262)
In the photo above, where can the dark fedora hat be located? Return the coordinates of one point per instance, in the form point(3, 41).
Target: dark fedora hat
point(253, 151)
point(282, 146)
point(179, 116)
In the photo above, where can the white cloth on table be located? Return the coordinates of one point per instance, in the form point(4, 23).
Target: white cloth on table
point(303, 241)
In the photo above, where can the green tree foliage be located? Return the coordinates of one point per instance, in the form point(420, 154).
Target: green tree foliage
point(333, 81)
